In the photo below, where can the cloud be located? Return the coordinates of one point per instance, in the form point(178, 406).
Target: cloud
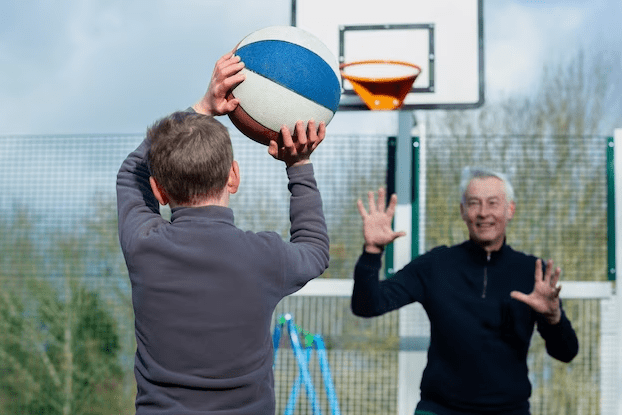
point(114, 66)
point(523, 36)
point(108, 66)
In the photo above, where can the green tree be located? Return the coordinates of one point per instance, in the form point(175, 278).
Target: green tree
point(60, 347)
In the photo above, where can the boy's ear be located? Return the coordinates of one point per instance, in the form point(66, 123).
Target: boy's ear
point(158, 191)
point(234, 178)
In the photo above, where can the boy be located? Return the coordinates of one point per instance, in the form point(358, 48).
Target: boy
point(203, 290)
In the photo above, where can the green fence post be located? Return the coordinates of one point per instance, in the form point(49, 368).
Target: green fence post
point(611, 213)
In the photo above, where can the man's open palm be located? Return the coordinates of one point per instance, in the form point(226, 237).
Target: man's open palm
point(377, 229)
point(544, 298)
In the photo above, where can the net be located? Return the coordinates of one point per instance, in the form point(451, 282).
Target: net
point(62, 268)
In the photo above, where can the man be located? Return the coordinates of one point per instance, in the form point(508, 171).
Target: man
point(203, 290)
point(480, 297)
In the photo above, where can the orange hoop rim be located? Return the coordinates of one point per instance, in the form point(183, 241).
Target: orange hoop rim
point(379, 79)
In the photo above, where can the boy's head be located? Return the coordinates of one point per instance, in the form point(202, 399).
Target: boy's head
point(191, 158)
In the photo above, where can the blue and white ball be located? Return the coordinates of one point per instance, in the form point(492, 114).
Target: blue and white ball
point(290, 75)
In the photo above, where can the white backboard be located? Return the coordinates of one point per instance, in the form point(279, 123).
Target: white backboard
point(443, 37)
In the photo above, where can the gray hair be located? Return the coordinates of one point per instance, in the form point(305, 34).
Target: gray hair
point(469, 173)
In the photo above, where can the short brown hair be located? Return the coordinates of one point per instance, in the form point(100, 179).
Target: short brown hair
point(190, 156)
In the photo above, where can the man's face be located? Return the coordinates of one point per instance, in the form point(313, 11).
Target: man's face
point(486, 212)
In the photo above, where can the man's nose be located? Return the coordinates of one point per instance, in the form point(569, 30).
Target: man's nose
point(484, 210)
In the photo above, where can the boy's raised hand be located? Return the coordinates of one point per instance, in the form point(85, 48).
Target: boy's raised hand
point(225, 77)
point(296, 149)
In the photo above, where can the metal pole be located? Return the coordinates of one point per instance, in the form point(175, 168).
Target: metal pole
point(411, 360)
point(617, 355)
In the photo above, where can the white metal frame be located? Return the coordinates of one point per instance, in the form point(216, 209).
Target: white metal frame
point(412, 363)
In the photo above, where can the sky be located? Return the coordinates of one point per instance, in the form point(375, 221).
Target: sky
point(115, 66)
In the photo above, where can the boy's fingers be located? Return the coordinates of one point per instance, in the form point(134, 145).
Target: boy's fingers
point(301, 135)
point(273, 148)
point(311, 130)
point(287, 137)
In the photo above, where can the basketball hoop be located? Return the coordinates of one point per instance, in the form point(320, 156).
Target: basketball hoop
point(381, 84)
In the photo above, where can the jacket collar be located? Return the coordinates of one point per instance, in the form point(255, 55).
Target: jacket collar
point(213, 212)
point(480, 253)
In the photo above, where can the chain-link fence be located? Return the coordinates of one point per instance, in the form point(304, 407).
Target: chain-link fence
point(66, 328)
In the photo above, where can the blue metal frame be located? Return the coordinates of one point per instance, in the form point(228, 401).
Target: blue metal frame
point(303, 357)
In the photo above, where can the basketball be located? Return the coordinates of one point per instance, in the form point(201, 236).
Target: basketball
point(290, 75)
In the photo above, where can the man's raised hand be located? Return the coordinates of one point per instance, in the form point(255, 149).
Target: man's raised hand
point(377, 229)
point(544, 298)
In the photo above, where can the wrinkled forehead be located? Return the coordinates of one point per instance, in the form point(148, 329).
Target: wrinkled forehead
point(485, 188)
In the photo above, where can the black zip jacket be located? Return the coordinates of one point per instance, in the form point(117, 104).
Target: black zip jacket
point(477, 359)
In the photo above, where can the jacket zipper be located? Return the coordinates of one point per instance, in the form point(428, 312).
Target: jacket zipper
point(486, 275)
